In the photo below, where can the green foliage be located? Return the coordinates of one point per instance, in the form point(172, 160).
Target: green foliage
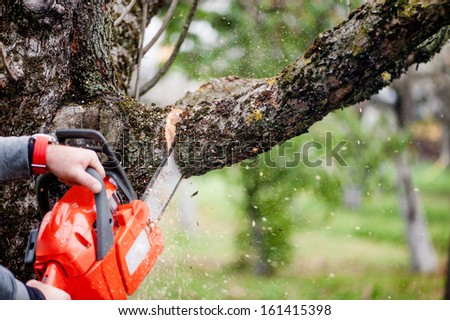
point(255, 38)
point(368, 151)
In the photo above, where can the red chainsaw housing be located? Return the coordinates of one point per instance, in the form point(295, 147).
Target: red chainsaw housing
point(66, 247)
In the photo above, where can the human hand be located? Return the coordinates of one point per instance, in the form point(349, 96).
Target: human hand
point(69, 164)
point(49, 292)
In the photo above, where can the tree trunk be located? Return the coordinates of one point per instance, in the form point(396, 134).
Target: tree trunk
point(444, 158)
point(58, 71)
point(258, 259)
point(422, 254)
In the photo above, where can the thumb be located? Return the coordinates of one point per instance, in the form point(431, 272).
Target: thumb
point(85, 179)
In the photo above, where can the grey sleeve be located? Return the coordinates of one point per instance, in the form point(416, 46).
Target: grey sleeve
point(10, 287)
point(14, 158)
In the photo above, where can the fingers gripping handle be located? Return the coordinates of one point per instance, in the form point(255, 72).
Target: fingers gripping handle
point(112, 165)
point(105, 238)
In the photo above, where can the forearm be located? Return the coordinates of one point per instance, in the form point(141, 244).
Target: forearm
point(14, 163)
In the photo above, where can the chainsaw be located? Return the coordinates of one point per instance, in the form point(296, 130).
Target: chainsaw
point(100, 246)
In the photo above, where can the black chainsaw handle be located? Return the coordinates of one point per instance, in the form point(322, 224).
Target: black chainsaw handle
point(65, 134)
point(105, 237)
point(112, 165)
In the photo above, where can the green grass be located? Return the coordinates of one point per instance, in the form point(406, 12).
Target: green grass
point(338, 254)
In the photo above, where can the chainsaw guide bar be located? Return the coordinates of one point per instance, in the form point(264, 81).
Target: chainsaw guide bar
point(162, 187)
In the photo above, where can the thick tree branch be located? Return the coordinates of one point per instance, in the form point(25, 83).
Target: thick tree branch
point(231, 119)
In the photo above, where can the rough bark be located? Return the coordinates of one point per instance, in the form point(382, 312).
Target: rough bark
point(60, 74)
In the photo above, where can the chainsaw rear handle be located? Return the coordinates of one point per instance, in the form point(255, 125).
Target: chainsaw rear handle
point(112, 165)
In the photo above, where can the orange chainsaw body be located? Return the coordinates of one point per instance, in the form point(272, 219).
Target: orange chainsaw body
point(66, 246)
